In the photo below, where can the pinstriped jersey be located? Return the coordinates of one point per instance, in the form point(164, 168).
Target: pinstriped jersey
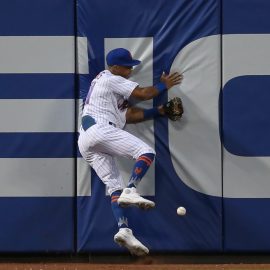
point(106, 97)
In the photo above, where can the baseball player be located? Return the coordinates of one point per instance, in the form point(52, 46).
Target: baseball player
point(102, 137)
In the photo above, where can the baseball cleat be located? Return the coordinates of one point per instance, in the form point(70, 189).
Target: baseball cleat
point(130, 197)
point(125, 238)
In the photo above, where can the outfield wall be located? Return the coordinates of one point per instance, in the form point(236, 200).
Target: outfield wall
point(215, 161)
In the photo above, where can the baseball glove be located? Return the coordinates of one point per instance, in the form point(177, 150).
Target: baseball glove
point(174, 109)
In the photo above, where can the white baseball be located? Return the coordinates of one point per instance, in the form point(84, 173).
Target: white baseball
point(181, 211)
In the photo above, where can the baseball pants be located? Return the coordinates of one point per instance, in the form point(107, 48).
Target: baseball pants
point(101, 143)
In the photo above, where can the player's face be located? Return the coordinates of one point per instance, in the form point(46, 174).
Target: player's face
point(125, 71)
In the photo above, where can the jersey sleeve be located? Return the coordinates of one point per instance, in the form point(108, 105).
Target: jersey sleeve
point(122, 86)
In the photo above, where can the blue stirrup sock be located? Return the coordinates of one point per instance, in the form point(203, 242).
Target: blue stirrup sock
point(118, 212)
point(140, 168)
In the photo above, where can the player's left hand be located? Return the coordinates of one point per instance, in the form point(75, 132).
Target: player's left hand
point(174, 109)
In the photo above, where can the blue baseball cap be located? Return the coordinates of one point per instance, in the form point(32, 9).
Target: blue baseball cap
point(121, 57)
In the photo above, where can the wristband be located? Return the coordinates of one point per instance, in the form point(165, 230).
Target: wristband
point(151, 113)
point(161, 87)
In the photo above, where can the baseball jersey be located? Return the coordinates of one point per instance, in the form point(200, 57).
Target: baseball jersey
point(106, 97)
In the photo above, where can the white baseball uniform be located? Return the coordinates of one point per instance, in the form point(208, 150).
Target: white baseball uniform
point(106, 139)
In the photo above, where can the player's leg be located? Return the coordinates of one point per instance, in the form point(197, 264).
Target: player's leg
point(140, 168)
point(122, 143)
point(107, 171)
point(90, 142)
point(118, 212)
point(130, 195)
point(117, 142)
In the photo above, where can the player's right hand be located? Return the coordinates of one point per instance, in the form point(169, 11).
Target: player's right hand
point(171, 79)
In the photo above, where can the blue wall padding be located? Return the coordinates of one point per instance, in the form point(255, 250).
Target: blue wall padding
point(37, 145)
point(37, 224)
point(245, 111)
point(178, 23)
point(212, 224)
point(245, 16)
point(37, 18)
point(246, 223)
point(246, 130)
point(37, 86)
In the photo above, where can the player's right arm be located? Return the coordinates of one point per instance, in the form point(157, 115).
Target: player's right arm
point(166, 82)
point(136, 115)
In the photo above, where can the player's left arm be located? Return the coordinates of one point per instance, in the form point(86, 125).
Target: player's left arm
point(173, 109)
